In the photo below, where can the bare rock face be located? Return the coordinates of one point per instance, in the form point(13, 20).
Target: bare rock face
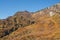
point(40, 25)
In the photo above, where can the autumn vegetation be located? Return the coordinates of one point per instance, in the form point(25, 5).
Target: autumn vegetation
point(40, 25)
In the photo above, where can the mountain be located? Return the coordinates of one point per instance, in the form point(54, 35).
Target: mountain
point(40, 25)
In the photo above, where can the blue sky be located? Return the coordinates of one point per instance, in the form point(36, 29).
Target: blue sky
point(10, 7)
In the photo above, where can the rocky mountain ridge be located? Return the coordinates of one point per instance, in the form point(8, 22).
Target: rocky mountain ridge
point(26, 25)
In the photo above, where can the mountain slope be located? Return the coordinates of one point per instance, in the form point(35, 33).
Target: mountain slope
point(12, 23)
point(40, 25)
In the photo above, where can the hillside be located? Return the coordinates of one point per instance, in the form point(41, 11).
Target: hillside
point(40, 25)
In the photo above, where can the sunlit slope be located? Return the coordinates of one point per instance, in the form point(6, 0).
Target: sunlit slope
point(40, 25)
point(44, 28)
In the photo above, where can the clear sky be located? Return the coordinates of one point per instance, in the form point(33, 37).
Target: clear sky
point(10, 7)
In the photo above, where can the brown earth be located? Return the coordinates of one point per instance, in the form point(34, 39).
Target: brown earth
point(38, 25)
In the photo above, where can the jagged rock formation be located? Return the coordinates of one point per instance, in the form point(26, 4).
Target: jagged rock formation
point(40, 25)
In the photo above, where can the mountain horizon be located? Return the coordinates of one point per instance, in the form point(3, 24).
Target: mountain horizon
point(40, 25)
point(33, 11)
point(9, 8)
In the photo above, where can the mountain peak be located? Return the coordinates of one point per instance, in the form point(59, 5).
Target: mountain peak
point(58, 4)
point(24, 24)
